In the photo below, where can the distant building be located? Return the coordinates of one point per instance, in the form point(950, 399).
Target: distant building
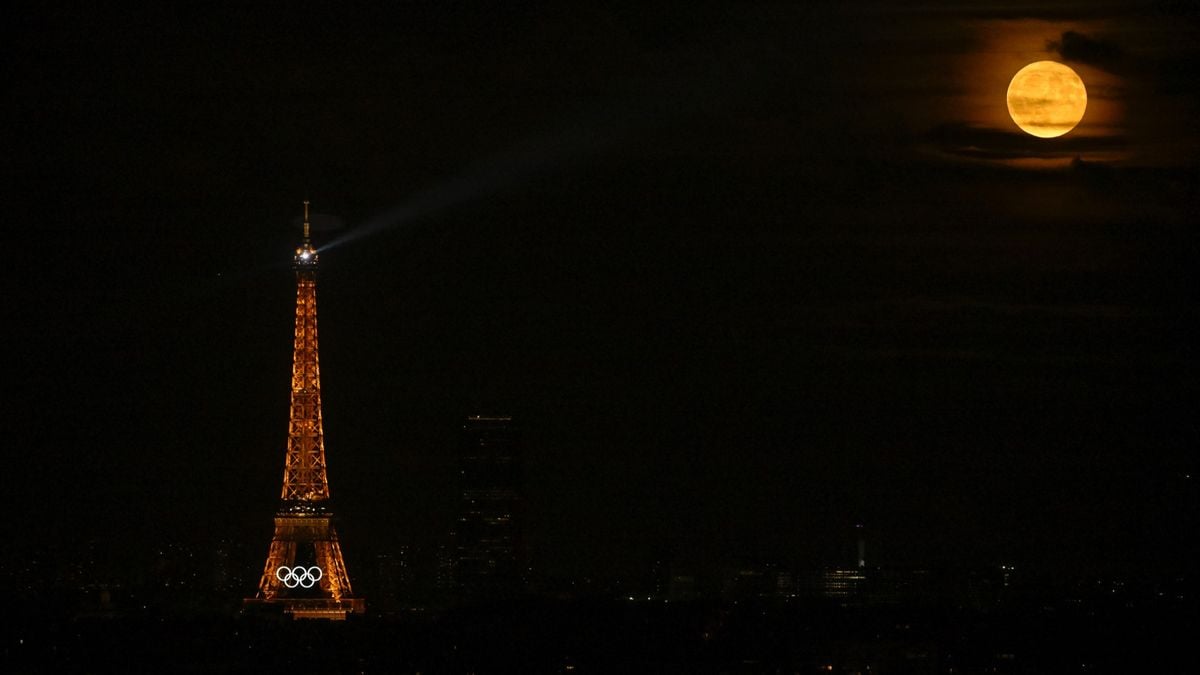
point(862, 546)
point(393, 579)
point(682, 586)
point(842, 584)
point(870, 586)
point(224, 571)
point(785, 583)
point(757, 580)
point(443, 567)
point(488, 550)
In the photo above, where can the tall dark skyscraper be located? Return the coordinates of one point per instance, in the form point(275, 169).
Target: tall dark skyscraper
point(488, 548)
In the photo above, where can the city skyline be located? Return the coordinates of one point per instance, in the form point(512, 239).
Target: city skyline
point(746, 277)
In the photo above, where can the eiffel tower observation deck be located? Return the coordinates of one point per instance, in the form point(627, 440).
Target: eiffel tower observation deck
point(304, 575)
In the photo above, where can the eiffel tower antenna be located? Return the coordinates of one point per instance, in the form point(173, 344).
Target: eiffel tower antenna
point(305, 575)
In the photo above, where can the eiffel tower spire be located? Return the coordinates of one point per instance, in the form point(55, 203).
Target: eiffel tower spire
point(304, 471)
point(304, 572)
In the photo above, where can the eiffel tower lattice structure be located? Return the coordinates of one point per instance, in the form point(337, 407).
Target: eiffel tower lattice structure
point(305, 576)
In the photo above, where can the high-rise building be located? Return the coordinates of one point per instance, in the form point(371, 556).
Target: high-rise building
point(488, 551)
point(862, 546)
point(393, 580)
point(305, 575)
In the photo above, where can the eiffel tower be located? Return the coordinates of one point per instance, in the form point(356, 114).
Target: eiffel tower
point(305, 575)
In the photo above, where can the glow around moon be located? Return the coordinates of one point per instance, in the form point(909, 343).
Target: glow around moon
point(1046, 99)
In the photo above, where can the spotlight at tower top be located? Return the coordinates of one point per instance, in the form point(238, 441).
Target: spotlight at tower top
point(306, 255)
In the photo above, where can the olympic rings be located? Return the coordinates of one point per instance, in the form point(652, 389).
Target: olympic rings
point(299, 576)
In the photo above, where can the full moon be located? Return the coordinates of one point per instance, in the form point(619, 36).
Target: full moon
point(1046, 99)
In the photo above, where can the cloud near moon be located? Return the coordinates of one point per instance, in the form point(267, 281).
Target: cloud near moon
point(1077, 47)
point(978, 142)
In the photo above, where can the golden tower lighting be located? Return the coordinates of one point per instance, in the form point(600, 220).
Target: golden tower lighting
point(305, 575)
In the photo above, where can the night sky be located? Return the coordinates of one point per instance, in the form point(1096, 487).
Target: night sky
point(745, 275)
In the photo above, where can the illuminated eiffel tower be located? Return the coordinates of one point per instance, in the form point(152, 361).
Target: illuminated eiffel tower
point(305, 575)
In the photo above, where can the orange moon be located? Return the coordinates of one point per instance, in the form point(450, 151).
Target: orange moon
point(1046, 99)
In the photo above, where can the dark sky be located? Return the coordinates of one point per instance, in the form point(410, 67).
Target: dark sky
point(746, 275)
